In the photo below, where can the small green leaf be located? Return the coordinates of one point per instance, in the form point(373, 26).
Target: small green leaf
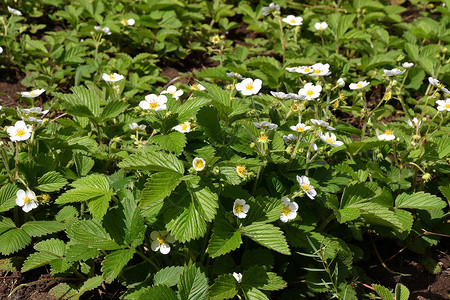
point(172, 142)
point(159, 186)
point(8, 197)
point(52, 246)
point(114, 263)
point(113, 109)
point(91, 233)
point(51, 181)
point(401, 292)
point(13, 240)
point(268, 236)
point(193, 284)
point(224, 287)
point(80, 252)
point(153, 161)
point(158, 292)
point(383, 292)
point(254, 277)
point(36, 260)
point(90, 284)
point(224, 238)
point(419, 200)
point(169, 276)
point(40, 228)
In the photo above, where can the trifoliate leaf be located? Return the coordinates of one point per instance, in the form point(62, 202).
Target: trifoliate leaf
point(419, 200)
point(268, 236)
point(193, 284)
point(169, 276)
point(114, 263)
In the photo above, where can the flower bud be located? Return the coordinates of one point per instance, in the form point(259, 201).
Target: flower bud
point(216, 170)
point(426, 177)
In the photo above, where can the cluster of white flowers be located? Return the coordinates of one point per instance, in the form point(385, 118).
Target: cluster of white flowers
point(135, 126)
point(315, 70)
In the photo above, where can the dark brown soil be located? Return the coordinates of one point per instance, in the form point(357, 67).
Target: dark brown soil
point(10, 85)
point(37, 288)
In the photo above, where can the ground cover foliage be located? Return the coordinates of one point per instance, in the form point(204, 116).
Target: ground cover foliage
point(273, 174)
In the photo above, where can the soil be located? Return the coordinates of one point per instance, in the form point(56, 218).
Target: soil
point(10, 87)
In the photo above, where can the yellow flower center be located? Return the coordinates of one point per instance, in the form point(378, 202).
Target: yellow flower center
point(27, 200)
point(388, 132)
point(317, 71)
point(292, 21)
point(238, 208)
point(306, 187)
point(154, 105)
point(241, 170)
point(286, 210)
point(195, 87)
point(161, 240)
point(440, 85)
point(198, 164)
point(111, 77)
point(359, 85)
point(309, 93)
point(307, 69)
point(32, 93)
point(388, 95)
point(300, 129)
point(184, 126)
point(249, 86)
point(320, 27)
point(294, 107)
point(447, 106)
point(330, 140)
point(263, 138)
point(172, 93)
point(124, 21)
point(20, 132)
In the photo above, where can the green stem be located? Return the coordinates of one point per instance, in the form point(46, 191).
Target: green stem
point(147, 259)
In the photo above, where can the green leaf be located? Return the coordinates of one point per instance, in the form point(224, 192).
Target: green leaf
point(80, 252)
point(224, 287)
point(419, 200)
point(193, 284)
point(344, 23)
point(168, 276)
point(40, 228)
point(86, 188)
point(347, 214)
point(36, 260)
point(208, 122)
point(64, 291)
point(8, 197)
point(159, 186)
point(255, 294)
point(113, 109)
point(188, 225)
point(99, 206)
point(13, 240)
point(264, 210)
point(224, 238)
point(172, 142)
point(376, 214)
point(383, 292)
point(79, 195)
point(268, 236)
point(52, 246)
point(190, 108)
point(254, 277)
point(274, 283)
point(205, 202)
point(6, 224)
point(67, 214)
point(51, 181)
point(90, 284)
point(153, 161)
point(114, 263)
point(159, 292)
point(87, 98)
point(360, 192)
point(401, 292)
point(38, 45)
point(91, 233)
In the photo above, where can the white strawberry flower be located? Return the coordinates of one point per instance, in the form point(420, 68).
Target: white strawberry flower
point(359, 85)
point(234, 75)
point(36, 110)
point(198, 87)
point(161, 240)
point(293, 69)
point(249, 86)
point(393, 72)
point(320, 70)
point(19, 132)
point(300, 127)
point(112, 77)
point(128, 22)
point(293, 20)
point(135, 126)
point(173, 91)
point(341, 82)
point(305, 69)
point(437, 83)
point(33, 119)
point(279, 95)
point(407, 65)
point(321, 26)
point(14, 11)
point(183, 128)
point(306, 186)
point(105, 29)
point(415, 122)
point(26, 200)
point(240, 208)
point(443, 104)
point(238, 277)
point(388, 135)
point(310, 91)
point(33, 93)
point(322, 124)
point(330, 139)
point(199, 164)
point(265, 125)
point(290, 139)
point(1, 50)
point(269, 9)
point(289, 210)
point(154, 102)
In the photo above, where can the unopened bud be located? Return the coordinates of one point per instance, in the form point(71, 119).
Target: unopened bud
point(426, 177)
